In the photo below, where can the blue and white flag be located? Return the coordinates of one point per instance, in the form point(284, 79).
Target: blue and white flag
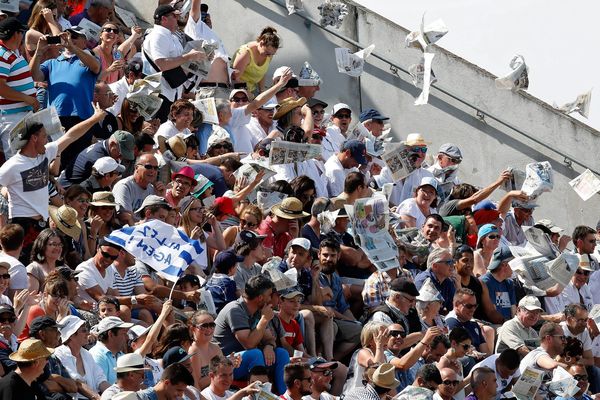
point(163, 247)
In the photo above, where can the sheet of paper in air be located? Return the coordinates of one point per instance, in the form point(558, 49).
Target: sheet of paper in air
point(426, 35)
point(283, 152)
point(542, 272)
point(200, 68)
point(10, 6)
point(528, 383)
point(581, 105)
point(417, 72)
point(147, 104)
point(563, 384)
point(47, 117)
point(518, 78)
point(586, 185)
point(143, 10)
point(250, 169)
point(352, 63)
point(91, 28)
point(208, 108)
point(539, 179)
point(333, 13)
point(266, 200)
point(424, 96)
point(538, 240)
point(293, 6)
point(399, 160)
point(126, 16)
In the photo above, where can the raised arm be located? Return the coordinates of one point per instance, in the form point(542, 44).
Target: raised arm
point(263, 97)
point(88, 59)
point(483, 193)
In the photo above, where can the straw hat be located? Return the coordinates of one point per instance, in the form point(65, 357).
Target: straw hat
point(288, 105)
point(385, 376)
point(31, 350)
point(415, 139)
point(289, 208)
point(65, 218)
point(176, 144)
point(103, 199)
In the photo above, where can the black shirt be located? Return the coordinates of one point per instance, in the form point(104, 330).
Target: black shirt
point(12, 386)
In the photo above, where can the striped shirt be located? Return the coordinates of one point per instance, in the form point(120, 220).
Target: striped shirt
point(125, 284)
point(15, 70)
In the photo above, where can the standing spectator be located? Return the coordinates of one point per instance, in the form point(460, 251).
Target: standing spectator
point(16, 84)
point(112, 69)
point(462, 315)
point(251, 61)
point(43, 21)
point(131, 72)
point(31, 360)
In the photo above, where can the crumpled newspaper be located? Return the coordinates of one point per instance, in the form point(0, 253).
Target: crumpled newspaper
point(581, 105)
point(352, 63)
point(423, 98)
point(293, 6)
point(200, 68)
point(333, 13)
point(539, 179)
point(426, 35)
point(518, 78)
point(144, 94)
point(417, 72)
point(281, 280)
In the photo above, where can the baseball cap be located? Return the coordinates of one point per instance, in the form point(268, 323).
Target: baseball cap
point(372, 113)
point(357, 150)
point(153, 200)
point(550, 225)
point(106, 165)
point(302, 242)
point(341, 106)
point(428, 181)
point(502, 253)
point(530, 303)
point(228, 258)
point(321, 363)
point(109, 323)
point(450, 150)
point(5, 308)
point(236, 91)
point(10, 26)
point(163, 10)
point(78, 30)
point(405, 286)
point(484, 205)
point(137, 331)
point(126, 144)
point(250, 236)
point(484, 230)
point(316, 102)
point(40, 323)
point(175, 355)
point(290, 293)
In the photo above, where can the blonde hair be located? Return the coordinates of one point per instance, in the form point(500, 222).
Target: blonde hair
point(368, 332)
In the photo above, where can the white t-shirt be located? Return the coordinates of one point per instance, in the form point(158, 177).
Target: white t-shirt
point(26, 179)
point(168, 130)
point(490, 362)
point(210, 395)
point(120, 88)
point(89, 276)
point(409, 207)
point(314, 169)
point(404, 188)
point(198, 30)
point(17, 271)
point(332, 142)
point(584, 337)
point(570, 295)
point(336, 175)
point(161, 43)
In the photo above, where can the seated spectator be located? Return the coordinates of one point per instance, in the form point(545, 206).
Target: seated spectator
point(298, 381)
point(183, 181)
point(488, 240)
point(572, 352)
point(500, 286)
point(578, 291)
point(575, 325)
point(222, 284)
point(98, 12)
point(506, 367)
point(173, 383)
point(580, 375)
point(130, 375)
point(518, 333)
point(426, 382)
point(321, 373)
point(78, 199)
point(450, 382)
point(428, 305)
point(102, 218)
point(462, 316)
point(11, 242)
point(250, 219)
point(105, 172)
point(373, 339)
point(483, 384)
point(289, 308)
point(112, 338)
point(203, 349)
point(153, 207)
point(460, 348)
point(31, 361)
point(440, 272)
point(47, 252)
point(414, 211)
point(445, 168)
point(383, 382)
point(132, 70)
point(351, 155)
point(282, 225)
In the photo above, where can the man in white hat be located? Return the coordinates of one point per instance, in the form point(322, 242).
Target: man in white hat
point(309, 81)
point(112, 337)
point(341, 117)
point(518, 333)
point(105, 172)
point(130, 371)
point(445, 168)
point(31, 360)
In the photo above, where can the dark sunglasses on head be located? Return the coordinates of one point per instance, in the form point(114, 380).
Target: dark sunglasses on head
point(113, 30)
point(397, 333)
point(150, 166)
point(108, 255)
point(5, 276)
point(206, 325)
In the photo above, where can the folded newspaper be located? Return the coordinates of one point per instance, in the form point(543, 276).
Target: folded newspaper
point(126, 16)
point(147, 105)
point(352, 63)
point(518, 78)
point(542, 272)
point(250, 169)
point(91, 29)
point(423, 98)
point(266, 200)
point(280, 279)
point(293, 6)
point(586, 185)
point(208, 108)
point(417, 72)
point(400, 160)
point(581, 105)
point(563, 384)
point(333, 13)
point(426, 35)
point(283, 152)
point(47, 117)
point(539, 179)
point(200, 68)
point(528, 384)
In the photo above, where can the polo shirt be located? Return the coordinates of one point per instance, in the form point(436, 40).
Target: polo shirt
point(513, 335)
point(336, 175)
point(162, 43)
point(446, 288)
point(70, 86)
point(15, 71)
point(471, 326)
point(502, 294)
point(106, 360)
point(501, 382)
point(12, 386)
point(276, 243)
point(81, 169)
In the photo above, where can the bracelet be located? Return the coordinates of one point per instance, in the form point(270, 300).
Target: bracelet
point(424, 344)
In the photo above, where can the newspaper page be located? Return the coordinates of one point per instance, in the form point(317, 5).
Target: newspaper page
point(149, 85)
point(415, 393)
point(400, 161)
point(127, 17)
point(208, 108)
point(370, 215)
point(417, 72)
point(562, 383)
point(90, 28)
point(581, 105)
point(333, 13)
point(47, 117)
point(562, 268)
point(541, 242)
point(518, 78)
point(533, 272)
point(517, 178)
point(266, 200)
point(352, 63)
point(10, 6)
point(283, 152)
point(293, 6)
point(280, 280)
point(539, 179)
point(147, 105)
point(426, 35)
point(265, 393)
point(200, 68)
point(595, 314)
point(586, 185)
point(251, 169)
point(379, 247)
point(528, 383)
point(424, 96)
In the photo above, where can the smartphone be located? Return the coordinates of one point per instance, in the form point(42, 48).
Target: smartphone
point(53, 39)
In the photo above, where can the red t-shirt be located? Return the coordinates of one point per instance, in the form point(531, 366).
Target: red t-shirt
point(276, 243)
point(293, 334)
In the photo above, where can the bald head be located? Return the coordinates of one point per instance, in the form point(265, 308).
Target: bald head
point(448, 374)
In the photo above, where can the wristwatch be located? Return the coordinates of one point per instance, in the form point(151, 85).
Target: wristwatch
point(133, 301)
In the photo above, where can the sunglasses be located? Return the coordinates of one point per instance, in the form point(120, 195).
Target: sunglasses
point(583, 272)
point(5, 276)
point(109, 30)
point(325, 372)
point(447, 262)
point(7, 319)
point(221, 146)
point(470, 306)
point(581, 377)
point(243, 222)
point(108, 255)
point(239, 99)
point(419, 149)
point(492, 237)
point(148, 166)
point(397, 333)
point(206, 325)
point(448, 382)
point(343, 116)
point(452, 159)
point(322, 112)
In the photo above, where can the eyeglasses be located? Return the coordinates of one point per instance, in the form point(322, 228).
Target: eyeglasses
point(149, 166)
point(220, 146)
point(470, 306)
point(239, 99)
point(7, 319)
point(325, 372)
point(583, 272)
point(342, 116)
point(109, 30)
point(5, 276)
point(57, 244)
point(82, 200)
point(448, 382)
point(419, 149)
point(492, 237)
point(182, 183)
point(581, 377)
point(244, 222)
point(206, 325)
point(397, 333)
point(449, 262)
point(108, 255)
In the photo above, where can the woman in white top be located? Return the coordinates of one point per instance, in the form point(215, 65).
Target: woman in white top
point(414, 211)
point(488, 239)
point(373, 339)
point(78, 361)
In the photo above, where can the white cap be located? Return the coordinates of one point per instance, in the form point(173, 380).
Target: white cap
point(130, 362)
point(530, 303)
point(109, 323)
point(279, 71)
point(340, 106)
point(105, 165)
point(302, 242)
point(137, 331)
point(70, 324)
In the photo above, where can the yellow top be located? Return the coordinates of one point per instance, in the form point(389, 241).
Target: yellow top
point(253, 72)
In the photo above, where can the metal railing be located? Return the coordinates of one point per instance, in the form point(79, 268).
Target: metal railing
point(480, 113)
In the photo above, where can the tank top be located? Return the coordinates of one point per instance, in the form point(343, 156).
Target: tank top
point(475, 286)
point(253, 72)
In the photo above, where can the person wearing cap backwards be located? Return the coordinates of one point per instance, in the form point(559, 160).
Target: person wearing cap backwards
point(162, 51)
point(351, 156)
point(518, 333)
point(373, 121)
point(500, 287)
point(105, 173)
point(381, 384)
point(31, 360)
point(282, 225)
point(445, 168)
point(118, 145)
point(16, 84)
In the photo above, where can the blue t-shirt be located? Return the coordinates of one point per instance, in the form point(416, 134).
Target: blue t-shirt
point(308, 233)
point(502, 294)
point(222, 288)
point(70, 86)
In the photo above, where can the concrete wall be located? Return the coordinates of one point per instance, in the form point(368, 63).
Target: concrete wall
point(488, 147)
